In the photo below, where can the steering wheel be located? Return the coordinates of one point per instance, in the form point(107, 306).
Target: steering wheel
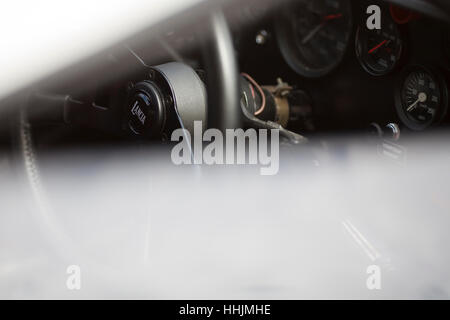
point(223, 111)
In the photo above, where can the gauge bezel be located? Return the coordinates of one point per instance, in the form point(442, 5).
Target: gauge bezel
point(362, 57)
point(443, 90)
point(288, 50)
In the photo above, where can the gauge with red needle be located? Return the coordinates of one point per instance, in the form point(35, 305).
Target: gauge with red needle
point(313, 35)
point(379, 50)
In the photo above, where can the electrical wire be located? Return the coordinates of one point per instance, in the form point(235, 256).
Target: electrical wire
point(261, 92)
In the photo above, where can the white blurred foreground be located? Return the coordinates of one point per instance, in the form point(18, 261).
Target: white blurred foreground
point(140, 227)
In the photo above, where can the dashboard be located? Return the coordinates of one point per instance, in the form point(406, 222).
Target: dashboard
point(354, 75)
point(306, 67)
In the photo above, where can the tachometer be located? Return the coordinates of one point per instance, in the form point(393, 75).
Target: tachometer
point(379, 50)
point(313, 35)
point(421, 98)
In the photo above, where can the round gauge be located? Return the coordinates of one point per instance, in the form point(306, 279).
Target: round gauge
point(313, 35)
point(379, 50)
point(421, 98)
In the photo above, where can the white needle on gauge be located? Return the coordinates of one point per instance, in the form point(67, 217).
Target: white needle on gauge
point(312, 33)
point(325, 19)
point(421, 98)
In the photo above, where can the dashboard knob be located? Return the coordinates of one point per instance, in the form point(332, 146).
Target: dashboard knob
point(146, 111)
point(392, 131)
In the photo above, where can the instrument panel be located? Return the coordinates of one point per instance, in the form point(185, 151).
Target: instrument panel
point(356, 75)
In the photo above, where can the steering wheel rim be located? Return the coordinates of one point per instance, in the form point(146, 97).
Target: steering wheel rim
point(222, 74)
